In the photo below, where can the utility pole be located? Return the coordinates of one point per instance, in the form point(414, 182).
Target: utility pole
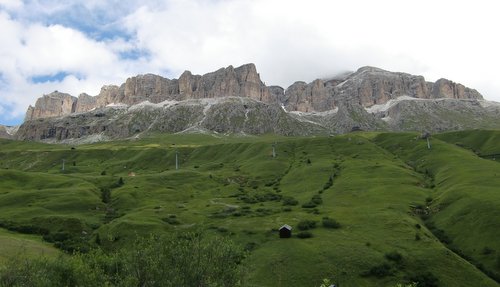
point(63, 165)
point(176, 160)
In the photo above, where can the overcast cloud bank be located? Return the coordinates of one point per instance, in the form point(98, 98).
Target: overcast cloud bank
point(51, 45)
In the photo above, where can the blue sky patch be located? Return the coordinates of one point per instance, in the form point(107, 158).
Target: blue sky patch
point(6, 119)
point(58, 77)
point(135, 54)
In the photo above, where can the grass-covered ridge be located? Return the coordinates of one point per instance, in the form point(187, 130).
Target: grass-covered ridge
point(373, 209)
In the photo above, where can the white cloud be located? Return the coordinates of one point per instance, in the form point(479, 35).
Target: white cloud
point(287, 40)
point(11, 4)
point(294, 40)
point(31, 50)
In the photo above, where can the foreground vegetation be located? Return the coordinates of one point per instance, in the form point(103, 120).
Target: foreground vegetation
point(366, 209)
point(189, 259)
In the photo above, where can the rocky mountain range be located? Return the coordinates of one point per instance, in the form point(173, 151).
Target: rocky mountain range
point(235, 100)
point(8, 132)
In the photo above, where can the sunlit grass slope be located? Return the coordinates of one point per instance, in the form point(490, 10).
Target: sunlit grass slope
point(374, 185)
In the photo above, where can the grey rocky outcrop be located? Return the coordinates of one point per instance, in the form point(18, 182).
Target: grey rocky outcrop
point(444, 88)
point(85, 103)
point(368, 86)
point(226, 115)
point(52, 105)
point(235, 100)
point(243, 81)
point(8, 132)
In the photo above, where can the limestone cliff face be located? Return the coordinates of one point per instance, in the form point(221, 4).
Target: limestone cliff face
point(85, 103)
point(303, 97)
point(109, 94)
point(52, 105)
point(367, 86)
point(444, 88)
point(147, 87)
point(371, 86)
point(243, 81)
point(235, 100)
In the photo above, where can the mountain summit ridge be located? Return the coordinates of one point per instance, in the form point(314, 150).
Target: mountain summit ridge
point(236, 100)
point(368, 85)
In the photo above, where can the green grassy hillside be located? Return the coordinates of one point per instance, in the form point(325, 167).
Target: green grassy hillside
point(405, 212)
point(485, 143)
point(13, 244)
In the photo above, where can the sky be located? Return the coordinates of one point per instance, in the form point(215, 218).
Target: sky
point(79, 46)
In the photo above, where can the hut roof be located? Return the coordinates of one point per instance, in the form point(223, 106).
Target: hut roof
point(286, 226)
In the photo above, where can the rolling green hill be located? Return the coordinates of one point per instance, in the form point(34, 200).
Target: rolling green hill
point(405, 212)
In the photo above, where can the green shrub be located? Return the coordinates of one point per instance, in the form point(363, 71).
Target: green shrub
point(304, 234)
point(379, 271)
point(172, 220)
point(222, 229)
point(288, 200)
point(153, 261)
point(426, 279)
point(306, 224)
point(330, 223)
point(250, 246)
point(394, 256)
point(309, 204)
point(439, 233)
point(105, 195)
point(316, 199)
point(247, 199)
point(329, 183)
point(487, 251)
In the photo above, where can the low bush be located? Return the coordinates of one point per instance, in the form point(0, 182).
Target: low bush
point(487, 251)
point(304, 234)
point(439, 233)
point(309, 204)
point(172, 220)
point(306, 224)
point(394, 256)
point(330, 223)
point(155, 261)
point(316, 199)
point(379, 271)
point(288, 200)
point(329, 183)
point(250, 246)
point(426, 279)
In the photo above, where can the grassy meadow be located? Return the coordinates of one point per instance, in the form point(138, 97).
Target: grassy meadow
point(381, 208)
